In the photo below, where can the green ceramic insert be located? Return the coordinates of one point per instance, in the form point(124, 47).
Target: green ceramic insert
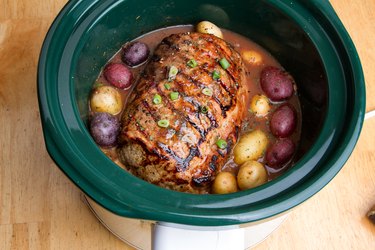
point(306, 37)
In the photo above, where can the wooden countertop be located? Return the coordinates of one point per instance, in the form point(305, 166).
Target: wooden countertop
point(42, 209)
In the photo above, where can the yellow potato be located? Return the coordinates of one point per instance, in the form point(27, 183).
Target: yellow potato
point(224, 183)
point(252, 57)
point(251, 174)
point(260, 105)
point(251, 146)
point(209, 28)
point(106, 99)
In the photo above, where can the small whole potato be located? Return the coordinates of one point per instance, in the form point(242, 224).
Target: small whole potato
point(251, 146)
point(106, 99)
point(276, 83)
point(209, 28)
point(224, 183)
point(252, 57)
point(283, 121)
point(280, 153)
point(135, 53)
point(260, 105)
point(251, 174)
point(104, 129)
point(118, 75)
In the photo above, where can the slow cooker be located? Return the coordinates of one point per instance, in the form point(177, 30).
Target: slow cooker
point(306, 37)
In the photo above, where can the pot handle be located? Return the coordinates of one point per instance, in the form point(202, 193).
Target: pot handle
point(169, 236)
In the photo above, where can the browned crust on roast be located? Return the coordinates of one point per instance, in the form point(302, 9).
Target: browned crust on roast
point(184, 156)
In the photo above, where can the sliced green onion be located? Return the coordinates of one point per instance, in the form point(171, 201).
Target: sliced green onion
point(163, 123)
point(174, 96)
point(203, 109)
point(156, 99)
point(167, 86)
point(207, 91)
point(221, 143)
point(192, 63)
point(140, 126)
point(224, 63)
point(216, 75)
point(172, 73)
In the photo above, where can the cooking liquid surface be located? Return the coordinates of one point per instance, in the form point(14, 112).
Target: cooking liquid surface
point(253, 70)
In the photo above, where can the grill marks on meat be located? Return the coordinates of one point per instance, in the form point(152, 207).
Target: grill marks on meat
point(184, 156)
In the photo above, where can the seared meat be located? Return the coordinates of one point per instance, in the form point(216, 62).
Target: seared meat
point(198, 105)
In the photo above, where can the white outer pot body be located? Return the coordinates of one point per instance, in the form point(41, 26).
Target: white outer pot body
point(151, 235)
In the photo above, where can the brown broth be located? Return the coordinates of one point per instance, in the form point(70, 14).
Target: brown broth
point(241, 44)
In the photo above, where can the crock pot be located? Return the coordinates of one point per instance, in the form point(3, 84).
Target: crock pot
point(306, 37)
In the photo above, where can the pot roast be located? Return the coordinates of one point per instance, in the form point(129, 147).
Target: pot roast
point(186, 100)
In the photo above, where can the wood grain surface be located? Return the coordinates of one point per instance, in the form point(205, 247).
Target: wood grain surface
point(41, 209)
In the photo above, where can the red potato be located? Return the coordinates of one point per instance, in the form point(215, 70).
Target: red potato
point(104, 129)
point(276, 83)
point(135, 53)
point(283, 121)
point(118, 75)
point(280, 153)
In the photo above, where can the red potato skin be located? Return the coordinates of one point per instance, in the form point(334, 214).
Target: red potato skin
point(118, 75)
point(283, 121)
point(280, 153)
point(104, 129)
point(135, 53)
point(276, 83)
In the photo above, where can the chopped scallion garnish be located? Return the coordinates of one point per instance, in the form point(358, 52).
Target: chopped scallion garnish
point(224, 63)
point(203, 109)
point(140, 126)
point(221, 143)
point(172, 73)
point(163, 123)
point(192, 63)
point(216, 75)
point(156, 99)
point(207, 91)
point(167, 86)
point(174, 96)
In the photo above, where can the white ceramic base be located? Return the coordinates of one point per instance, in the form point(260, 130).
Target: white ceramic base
point(139, 233)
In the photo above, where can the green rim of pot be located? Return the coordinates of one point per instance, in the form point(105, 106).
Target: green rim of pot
point(70, 145)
